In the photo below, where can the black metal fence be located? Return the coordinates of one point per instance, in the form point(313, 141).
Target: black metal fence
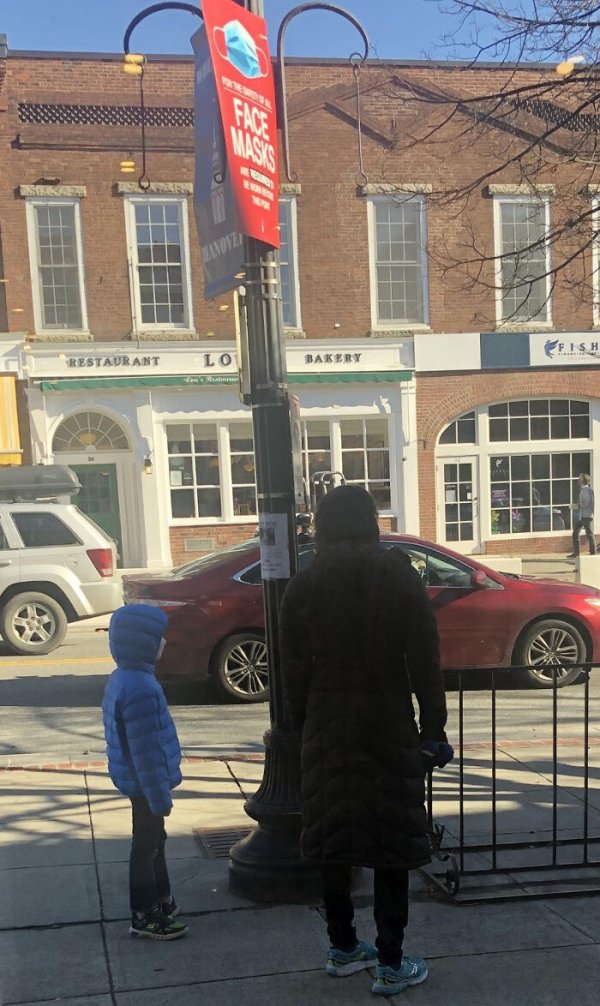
point(517, 814)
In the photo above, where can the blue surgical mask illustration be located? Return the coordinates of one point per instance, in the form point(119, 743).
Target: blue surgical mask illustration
point(238, 46)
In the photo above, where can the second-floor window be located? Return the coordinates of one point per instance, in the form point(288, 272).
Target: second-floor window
point(398, 261)
point(288, 263)
point(523, 259)
point(158, 252)
point(56, 264)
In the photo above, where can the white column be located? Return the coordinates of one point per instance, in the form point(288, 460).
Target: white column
point(407, 461)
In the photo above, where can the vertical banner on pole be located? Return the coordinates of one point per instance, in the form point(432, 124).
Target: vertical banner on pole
point(299, 486)
point(221, 243)
point(246, 91)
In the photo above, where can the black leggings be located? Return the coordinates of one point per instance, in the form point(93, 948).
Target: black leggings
point(390, 910)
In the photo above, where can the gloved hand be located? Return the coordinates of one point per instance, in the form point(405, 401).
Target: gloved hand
point(436, 754)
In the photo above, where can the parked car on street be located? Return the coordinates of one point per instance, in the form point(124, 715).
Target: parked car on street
point(56, 565)
point(485, 618)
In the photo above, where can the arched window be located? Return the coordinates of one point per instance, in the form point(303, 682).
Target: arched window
point(89, 431)
point(522, 472)
point(461, 431)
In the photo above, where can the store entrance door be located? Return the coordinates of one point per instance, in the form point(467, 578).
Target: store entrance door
point(458, 493)
point(99, 499)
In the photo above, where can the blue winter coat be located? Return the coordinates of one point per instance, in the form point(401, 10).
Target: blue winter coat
point(143, 751)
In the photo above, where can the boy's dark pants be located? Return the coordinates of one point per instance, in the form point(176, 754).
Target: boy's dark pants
point(148, 878)
point(390, 910)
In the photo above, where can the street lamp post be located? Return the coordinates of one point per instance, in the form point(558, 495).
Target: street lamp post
point(267, 864)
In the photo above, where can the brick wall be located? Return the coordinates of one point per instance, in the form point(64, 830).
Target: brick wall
point(332, 219)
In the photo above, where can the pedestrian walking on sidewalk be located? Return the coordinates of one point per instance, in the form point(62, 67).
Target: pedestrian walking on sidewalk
point(358, 634)
point(583, 516)
point(144, 760)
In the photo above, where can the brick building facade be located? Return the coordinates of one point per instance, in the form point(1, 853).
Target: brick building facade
point(467, 413)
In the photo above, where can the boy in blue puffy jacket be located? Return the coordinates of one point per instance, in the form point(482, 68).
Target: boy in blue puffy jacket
point(144, 760)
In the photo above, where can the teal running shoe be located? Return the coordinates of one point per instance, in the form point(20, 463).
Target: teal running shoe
point(389, 981)
point(341, 963)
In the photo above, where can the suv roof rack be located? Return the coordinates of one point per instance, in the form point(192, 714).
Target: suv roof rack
point(28, 483)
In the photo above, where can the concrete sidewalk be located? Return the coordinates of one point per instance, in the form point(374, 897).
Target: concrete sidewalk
point(63, 934)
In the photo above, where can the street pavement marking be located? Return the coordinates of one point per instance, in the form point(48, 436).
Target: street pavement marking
point(54, 660)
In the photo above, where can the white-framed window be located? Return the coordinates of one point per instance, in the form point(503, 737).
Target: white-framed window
point(211, 463)
point(288, 262)
point(398, 261)
point(523, 281)
point(158, 248)
point(533, 492)
point(530, 454)
point(359, 449)
point(56, 259)
point(211, 470)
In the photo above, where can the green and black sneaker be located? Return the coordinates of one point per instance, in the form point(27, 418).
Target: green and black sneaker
point(156, 926)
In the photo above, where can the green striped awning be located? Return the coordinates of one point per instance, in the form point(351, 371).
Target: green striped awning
point(182, 381)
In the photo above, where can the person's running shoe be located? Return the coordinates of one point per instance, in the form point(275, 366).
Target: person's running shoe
point(156, 926)
point(341, 962)
point(389, 981)
point(170, 908)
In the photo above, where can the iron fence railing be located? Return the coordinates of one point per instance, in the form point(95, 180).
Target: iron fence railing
point(518, 811)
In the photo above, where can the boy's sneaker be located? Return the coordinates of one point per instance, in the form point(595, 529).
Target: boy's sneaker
point(389, 981)
point(156, 926)
point(341, 962)
point(170, 908)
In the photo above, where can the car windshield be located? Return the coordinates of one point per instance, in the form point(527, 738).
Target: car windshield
point(215, 558)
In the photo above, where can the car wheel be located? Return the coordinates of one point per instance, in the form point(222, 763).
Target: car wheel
point(241, 669)
point(551, 648)
point(32, 623)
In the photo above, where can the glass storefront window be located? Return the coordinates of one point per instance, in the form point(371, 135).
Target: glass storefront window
point(366, 457)
point(194, 470)
point(530, 493)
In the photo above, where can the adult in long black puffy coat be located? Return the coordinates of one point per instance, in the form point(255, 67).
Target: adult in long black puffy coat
point(358, 636)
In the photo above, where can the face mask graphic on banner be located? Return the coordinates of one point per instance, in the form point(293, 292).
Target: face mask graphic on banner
point(237, 45)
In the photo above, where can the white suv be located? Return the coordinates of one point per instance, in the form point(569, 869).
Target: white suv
point(56, 566)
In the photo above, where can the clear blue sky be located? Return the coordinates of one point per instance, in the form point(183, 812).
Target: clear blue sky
point(397, 28)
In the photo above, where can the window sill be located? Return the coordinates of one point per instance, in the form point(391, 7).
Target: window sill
point(525, 326)
point(212, 521)
point(166, 335)
point(64, 335)
point(292, 332)
point(398, 331)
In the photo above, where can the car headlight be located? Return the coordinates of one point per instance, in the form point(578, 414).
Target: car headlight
point(594, 601)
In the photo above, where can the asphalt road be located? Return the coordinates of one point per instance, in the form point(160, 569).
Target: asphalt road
point(50, 708)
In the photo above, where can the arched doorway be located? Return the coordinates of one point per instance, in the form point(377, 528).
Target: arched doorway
point(92, 444)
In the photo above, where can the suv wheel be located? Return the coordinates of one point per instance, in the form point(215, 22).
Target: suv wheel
point(241, 668)
point(32, 623)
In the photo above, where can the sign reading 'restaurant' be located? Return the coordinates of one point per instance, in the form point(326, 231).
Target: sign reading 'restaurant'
point(244, 79)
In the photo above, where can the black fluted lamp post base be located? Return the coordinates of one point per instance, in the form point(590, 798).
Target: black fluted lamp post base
point(267, 865)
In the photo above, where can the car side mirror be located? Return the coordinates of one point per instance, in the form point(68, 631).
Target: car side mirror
point(478, 578)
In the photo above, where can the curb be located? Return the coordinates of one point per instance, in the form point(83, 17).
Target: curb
point(81, 765)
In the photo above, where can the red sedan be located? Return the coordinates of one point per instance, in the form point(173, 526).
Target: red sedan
point(485, 618)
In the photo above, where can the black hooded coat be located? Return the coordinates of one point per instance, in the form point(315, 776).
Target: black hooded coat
point(358, 634)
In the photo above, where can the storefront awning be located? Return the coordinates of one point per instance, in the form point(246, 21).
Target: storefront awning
point(349, 377)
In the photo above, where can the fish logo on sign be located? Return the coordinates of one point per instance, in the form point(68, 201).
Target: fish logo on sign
point(549, 347)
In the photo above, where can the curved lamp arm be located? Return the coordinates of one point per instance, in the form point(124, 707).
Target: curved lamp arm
point(169, 5)
point(281, 88)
